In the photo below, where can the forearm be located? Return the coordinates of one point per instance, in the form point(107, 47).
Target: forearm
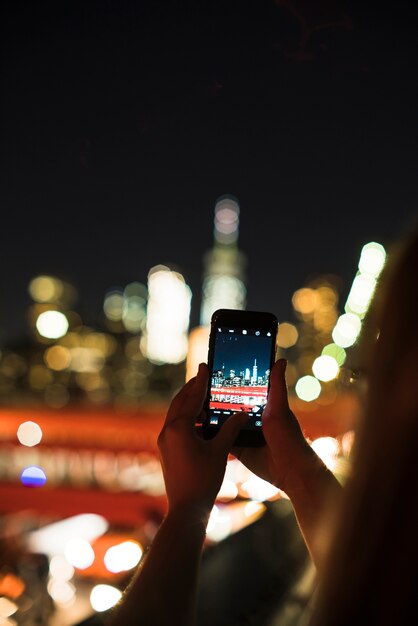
point(163, 591)
point(310, 491)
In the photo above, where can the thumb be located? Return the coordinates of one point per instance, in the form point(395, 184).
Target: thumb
point(229, 431)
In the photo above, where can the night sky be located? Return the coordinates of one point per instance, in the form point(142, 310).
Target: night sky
point(122, 122)
point(238, 352)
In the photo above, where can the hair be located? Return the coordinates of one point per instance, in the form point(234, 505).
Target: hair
point(371, 571)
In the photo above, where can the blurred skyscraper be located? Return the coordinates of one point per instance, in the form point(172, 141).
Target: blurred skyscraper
point(223, 281)
point(223, 278)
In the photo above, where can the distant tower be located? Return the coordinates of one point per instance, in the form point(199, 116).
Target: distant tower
point(223, 285)
point(247, 373)
point(254, 379)
point(223, 279)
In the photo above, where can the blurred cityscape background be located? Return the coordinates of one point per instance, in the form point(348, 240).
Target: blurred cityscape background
point(160, 160)
point(81, 485)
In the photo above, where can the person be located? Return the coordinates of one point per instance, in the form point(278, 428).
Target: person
point(367, 571)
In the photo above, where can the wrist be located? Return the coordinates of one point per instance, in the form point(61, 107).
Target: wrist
point(306, 475)
point(186, 511)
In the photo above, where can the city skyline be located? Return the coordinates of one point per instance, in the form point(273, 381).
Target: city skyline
point(114, 161)
point(248, 376)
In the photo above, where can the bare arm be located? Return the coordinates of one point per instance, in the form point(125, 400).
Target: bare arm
point(288, 461)
point(163, 592)
point(310, 491)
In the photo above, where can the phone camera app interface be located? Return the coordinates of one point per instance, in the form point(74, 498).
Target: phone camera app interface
point(240, 375)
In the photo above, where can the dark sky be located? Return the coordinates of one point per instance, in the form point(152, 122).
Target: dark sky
point(123, 121)
point(238, 352)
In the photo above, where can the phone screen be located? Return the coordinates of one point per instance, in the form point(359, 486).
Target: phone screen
point(240, 374)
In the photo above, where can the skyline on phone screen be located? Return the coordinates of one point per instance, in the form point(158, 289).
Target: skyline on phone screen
point(240, 375)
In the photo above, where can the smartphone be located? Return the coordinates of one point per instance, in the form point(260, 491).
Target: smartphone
point(242, 348)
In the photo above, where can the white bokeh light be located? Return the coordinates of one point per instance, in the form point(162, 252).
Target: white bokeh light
point(79, 553)
point(346, 330)
point(52, 324)
point(259, 489)
point(168, 316)
point(61, 591)
point(361, 293)
point(103, 597)
point(123, 557)
point(372, 259)
point(52, 538)
point(7, 608)
point(327, 448)
point(60, 568)
point(308, 388)
point(29, 434)
point(325, 368)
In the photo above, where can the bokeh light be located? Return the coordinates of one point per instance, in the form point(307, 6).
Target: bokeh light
point(338, 353)
point(60, 568)
point(219, 525)
point(33, 476)
point(57, 358)
point(258, 489)
point(226, 220)
point(7, 608)
point(62, 592)
point(308, 388)
point(198, 350)
point(228, 490)
point(361, 293)
point(327, 448)
point(113, 305)
point(52, 324)
point(86, 360)
point(287, 335)
point(45, 289)
point(305, 300)
point(103, 597)
point(167, 316)
point(79, 553)
point(52, 538)
point(346, 330)
point(134, 307)
point(325, 368)
point(372, 259)
point(29, 434)
point(123, 557)
point(347, 442)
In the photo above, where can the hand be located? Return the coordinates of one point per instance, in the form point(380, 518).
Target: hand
point(287, 455)
point(193, 467)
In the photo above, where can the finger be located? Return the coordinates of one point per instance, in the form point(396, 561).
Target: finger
point(189, 405)
point(179, 399)
point(224, 440)
point(278, 389)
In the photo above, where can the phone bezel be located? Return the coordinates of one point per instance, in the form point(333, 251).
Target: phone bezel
point(238, 319)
